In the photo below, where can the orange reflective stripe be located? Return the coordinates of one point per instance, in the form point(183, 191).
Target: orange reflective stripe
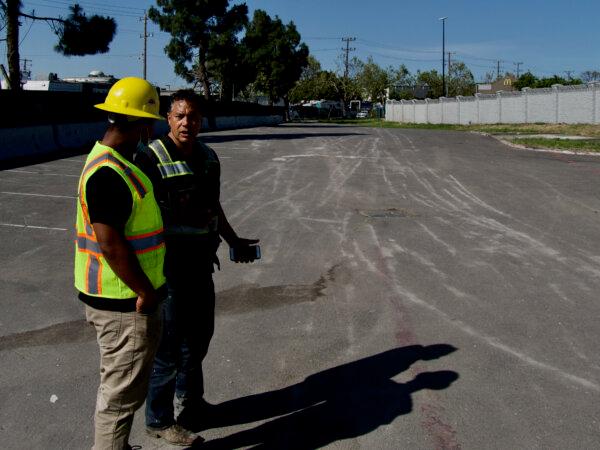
point(106, 157)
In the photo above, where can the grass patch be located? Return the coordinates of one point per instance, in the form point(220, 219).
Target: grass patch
point(529, 128)
point(562, 144)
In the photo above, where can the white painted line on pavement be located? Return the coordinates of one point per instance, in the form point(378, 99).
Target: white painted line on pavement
point(14, 225)
point(37, 195)
point(42, 173)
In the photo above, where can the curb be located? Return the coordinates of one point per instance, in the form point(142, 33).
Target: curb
point(534, 149)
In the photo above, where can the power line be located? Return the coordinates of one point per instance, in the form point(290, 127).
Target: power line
point(128, 9)
point(399, 58)
point(94, 9)
point(391, 47)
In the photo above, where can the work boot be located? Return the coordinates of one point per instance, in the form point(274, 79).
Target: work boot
point(175, 435)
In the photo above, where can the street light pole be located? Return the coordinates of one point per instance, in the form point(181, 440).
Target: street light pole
point(444, 87)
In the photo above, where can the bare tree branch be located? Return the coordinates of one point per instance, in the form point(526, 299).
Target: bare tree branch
point(47, 19)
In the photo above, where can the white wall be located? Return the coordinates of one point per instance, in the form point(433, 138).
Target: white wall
point(559, 104)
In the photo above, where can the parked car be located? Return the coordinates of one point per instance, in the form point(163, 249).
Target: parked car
point(362, 114)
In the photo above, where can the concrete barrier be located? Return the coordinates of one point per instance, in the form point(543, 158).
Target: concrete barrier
point(75, 135)
point(23, 142)
point(27, 141)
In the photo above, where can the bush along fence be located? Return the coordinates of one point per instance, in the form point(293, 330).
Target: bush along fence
point(558, 104)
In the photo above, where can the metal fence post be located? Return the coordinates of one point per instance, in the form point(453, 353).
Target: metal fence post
point(442, 109)
point(477, 95)
point(426, 110)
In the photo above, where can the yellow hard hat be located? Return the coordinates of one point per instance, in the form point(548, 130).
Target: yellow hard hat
point(134, 97)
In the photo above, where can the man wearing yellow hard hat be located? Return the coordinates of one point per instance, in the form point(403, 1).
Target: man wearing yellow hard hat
point(119, 256)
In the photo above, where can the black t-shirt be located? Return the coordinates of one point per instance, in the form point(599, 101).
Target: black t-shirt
point(109, 198)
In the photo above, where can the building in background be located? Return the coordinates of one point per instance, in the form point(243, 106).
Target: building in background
point(502, 84)
point(95, 82)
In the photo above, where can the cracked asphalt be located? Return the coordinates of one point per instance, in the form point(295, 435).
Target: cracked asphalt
point(418, 289)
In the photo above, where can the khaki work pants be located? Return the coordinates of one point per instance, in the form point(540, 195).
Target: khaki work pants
point(127, 342)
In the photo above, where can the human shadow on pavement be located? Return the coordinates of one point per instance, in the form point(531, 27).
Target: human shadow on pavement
point(215, 139)
point(338, 403)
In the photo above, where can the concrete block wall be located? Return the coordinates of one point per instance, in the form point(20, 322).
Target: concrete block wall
point(468, 110)
point(541, 105)
point(559, 104)
point(41, 140)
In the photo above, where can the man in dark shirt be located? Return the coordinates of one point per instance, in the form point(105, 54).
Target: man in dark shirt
point(186, 177)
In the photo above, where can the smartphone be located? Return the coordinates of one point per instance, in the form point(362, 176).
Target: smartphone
point(249, 253)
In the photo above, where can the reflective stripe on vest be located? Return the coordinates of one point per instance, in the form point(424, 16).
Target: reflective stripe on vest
point(140, 244)
point(167, 167)
point(110, 159)
point(93, 275)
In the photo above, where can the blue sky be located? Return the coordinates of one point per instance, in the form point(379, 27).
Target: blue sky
point(548, 36)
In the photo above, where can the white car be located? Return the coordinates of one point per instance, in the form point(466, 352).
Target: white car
point(362, 114)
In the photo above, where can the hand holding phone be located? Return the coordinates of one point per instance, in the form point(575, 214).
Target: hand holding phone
point(244, 253)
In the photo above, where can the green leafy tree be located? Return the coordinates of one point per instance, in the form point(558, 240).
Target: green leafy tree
point(401, 83)
point(530, 80)
point(78, 34)
point(275, 52)
point(549, 81)
point(460, 80)
point(314, 84)
point(526, 80)
point(203, 39)
point(373, 80)
point(432, 79)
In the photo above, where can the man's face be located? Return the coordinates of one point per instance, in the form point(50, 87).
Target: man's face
point(184, 122)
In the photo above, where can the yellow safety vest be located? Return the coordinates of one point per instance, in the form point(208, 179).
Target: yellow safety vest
point(143, 231)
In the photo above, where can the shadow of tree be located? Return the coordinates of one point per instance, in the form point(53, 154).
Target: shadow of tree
point(339, 403)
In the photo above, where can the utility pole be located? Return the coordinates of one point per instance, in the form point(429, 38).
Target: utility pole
point(347, 50)
point(444, 86)
point(145, 36)
point(498, 70)
point(569, 72)
point(518, 64)
point(25, 74)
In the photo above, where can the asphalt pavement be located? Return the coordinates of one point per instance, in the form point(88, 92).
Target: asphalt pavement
point(418, 289)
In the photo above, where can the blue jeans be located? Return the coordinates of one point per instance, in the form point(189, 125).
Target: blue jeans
point(188, 326)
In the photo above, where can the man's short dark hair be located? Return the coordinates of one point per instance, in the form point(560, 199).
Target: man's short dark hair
point(189, 96)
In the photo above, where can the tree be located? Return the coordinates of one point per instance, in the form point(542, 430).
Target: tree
point(549, 81)
point(526, 80)
point(432, 79)
point(314, 83)
point(460, 80)
point(275, 52)
point(78, 35)
point(401, 83)
point(373, 80)
point(489, 77)
point(590, 75)
point(203, 38)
